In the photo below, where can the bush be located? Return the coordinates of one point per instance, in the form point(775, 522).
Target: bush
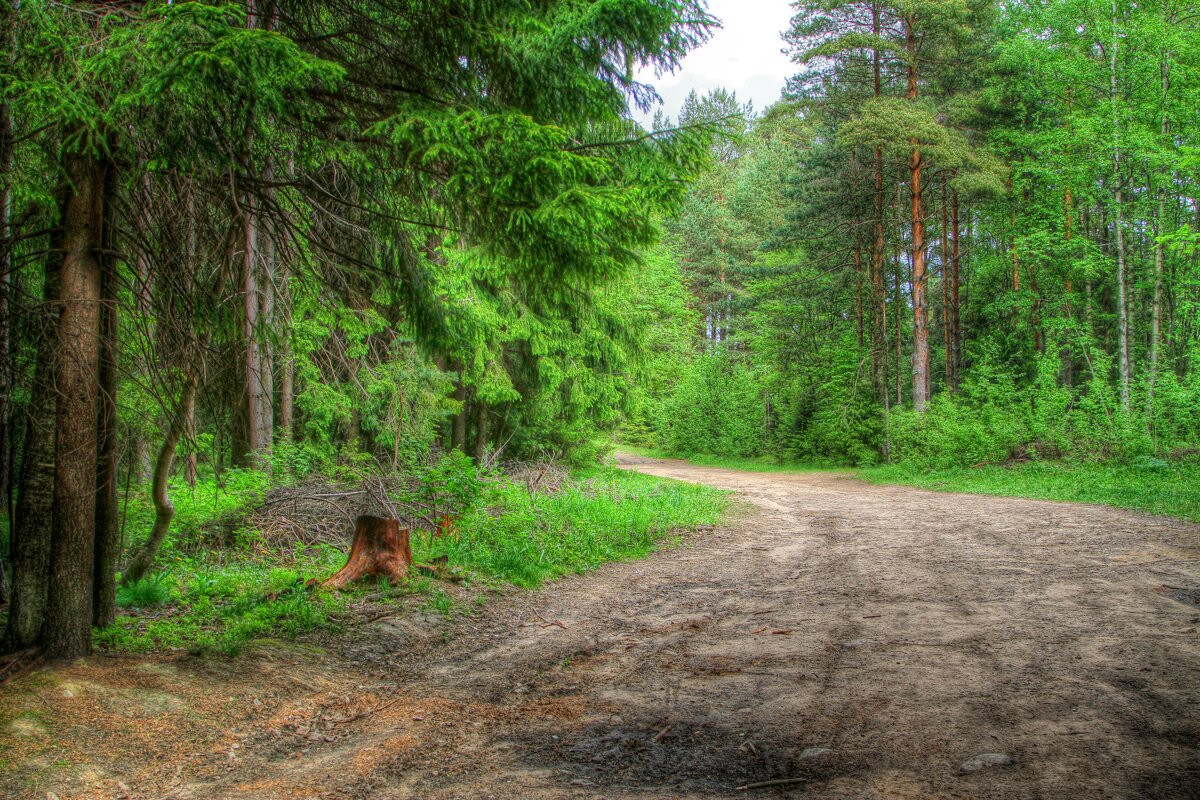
point(150, 591)
point(718, 408)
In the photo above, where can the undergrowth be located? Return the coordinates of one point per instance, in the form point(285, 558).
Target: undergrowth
point(222, 598)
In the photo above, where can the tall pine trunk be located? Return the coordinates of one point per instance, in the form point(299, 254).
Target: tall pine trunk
point(105, 550)
point(287, 366)
point(253, 365)
point(68, 626)
point(267, 322)
point(879, 348)
point(7, 236)
point(481, 431)
point(920, 300)
point(32, 528)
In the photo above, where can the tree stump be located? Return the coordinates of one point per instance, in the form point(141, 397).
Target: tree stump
point(380, 548)
point(446, 526)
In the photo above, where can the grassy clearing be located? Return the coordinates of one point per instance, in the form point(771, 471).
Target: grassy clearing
point(1153, 486)
point(220, 599)
point(606, 515)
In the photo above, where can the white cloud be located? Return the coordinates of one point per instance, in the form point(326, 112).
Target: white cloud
point(744, 56)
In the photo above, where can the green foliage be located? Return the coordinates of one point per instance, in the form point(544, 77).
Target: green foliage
point(201, 511)
point(222, 597)
point(220, 600)
point(717, 408)
point(151, 591)
point(527, 538)
point(1050, 152)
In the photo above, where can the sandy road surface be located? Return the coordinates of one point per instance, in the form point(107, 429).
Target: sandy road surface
point(858, 641)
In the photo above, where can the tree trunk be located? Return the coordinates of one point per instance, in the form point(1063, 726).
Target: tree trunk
point(879, 348)
point(946, 347)
point(1068, 359)
point(380, 549)
point(481, 431)
point(67, 632)
point(458, 434)
point(1119, 223)
point(190, 460)
point(251, 309)
point(7, 235)
point(1156, 311)
point(104, 578)
point(858, 288)
point(897, 301)
point(31, 531)
point(267, 324)
point(920, 357)
point(164, 510)
point(955, 272)
point(287, 372)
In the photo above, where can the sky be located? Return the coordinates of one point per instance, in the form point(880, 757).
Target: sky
point(744, 55)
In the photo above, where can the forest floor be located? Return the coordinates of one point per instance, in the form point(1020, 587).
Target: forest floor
point(856, 641)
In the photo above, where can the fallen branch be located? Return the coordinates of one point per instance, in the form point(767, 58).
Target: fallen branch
point(366, 713)
point(768, 784)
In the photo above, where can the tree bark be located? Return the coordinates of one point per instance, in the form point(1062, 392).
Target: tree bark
point(481, 430)
point(858, 288)
point(7, 236)
point(879, 348)
point(164, 510)
point(32, 528)
point(955, 272)
point(1068, 359)
point(380, 549)
point(920, 357)
point(287, 373)
point(946, 346)
point(1124, 366)
point(68, 626)
point(267, 324)
point(458, 434)
point(251, 308)
point(104, 578)
point(1156, 312)
point(897, 301)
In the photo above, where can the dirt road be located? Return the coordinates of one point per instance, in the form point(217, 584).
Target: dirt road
point(855, 641)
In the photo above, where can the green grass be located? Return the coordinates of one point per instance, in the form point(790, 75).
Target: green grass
point(213, 602)
point(606, 515)
point(151, 591)
point(223, 598)
point(1153, 486)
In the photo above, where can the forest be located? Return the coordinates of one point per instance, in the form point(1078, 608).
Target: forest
point(409, 248)
point(966, 236)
